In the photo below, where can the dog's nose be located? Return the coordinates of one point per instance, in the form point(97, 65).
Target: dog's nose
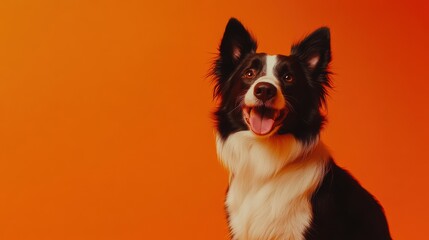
point(264, 91)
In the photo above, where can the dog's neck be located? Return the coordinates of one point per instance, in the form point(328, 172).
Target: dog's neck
point(263, 157)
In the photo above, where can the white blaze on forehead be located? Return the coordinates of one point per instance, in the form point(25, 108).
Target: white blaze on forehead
point(277, 102)
point(271, 62)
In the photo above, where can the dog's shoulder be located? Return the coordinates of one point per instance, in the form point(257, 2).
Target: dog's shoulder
point(343, 209)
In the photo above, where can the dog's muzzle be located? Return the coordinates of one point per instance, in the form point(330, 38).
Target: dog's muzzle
point(263, 110)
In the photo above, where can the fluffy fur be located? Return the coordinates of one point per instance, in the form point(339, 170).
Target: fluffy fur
point(283, 181)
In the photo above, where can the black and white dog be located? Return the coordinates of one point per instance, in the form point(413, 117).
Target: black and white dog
point(283, 182)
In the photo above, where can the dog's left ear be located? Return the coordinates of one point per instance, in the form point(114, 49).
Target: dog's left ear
point(315, 52)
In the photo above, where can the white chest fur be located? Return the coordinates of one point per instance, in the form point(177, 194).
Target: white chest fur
point(271, 183)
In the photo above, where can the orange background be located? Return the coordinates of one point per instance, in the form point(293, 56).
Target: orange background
point(105, 129)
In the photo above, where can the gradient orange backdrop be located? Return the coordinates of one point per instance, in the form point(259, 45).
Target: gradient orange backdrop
point(105, 129)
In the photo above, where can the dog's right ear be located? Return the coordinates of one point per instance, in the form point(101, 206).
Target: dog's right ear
point(236, 43)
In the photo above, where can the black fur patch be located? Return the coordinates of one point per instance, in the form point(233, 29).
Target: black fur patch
point(343, 209)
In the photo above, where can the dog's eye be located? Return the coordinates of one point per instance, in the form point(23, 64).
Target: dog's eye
point(249, 73)
point(287, 78)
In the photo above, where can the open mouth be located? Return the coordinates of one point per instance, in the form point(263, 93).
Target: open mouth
point(262, 120)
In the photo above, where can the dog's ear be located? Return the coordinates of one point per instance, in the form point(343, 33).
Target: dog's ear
point(315, 52)
point(236, 43)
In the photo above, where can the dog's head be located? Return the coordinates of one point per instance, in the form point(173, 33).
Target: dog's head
point(271, 94)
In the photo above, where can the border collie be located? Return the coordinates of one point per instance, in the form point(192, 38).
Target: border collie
point(284, 183)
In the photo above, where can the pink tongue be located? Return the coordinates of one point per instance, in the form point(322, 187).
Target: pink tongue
point(260, 124)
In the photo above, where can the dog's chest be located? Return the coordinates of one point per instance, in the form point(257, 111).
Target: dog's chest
point(267, 200)
point(268, 210)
